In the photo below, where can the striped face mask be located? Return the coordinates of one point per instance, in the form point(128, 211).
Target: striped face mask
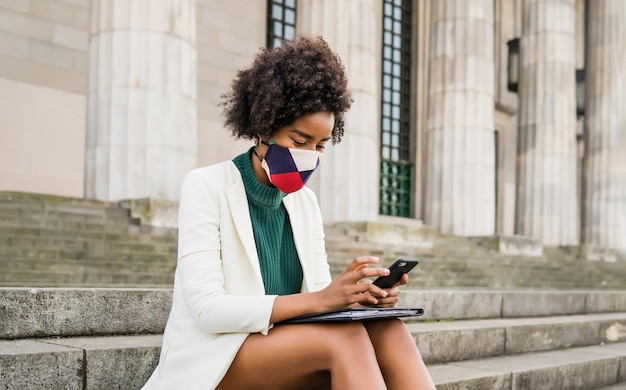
point(289, 169)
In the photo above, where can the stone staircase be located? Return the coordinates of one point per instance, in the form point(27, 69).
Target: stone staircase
point(460, 262)
point(71, 338)
point(48, 241)
point(57, 241)
point(501, 312)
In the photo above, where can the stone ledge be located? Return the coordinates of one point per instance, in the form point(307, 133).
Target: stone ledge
point(126, 362)
point(63, 312)
point(472, 339)
point(153, 212)
point(580, 368)
point(598, 253)
point(119, 362)
point(477, 304)
point(390, 231)
point(45, 312)
point(514, 245)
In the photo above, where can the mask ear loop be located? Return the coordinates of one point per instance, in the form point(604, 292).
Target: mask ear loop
point(256, 146)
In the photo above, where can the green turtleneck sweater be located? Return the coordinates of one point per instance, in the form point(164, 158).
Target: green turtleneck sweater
point(280, 265)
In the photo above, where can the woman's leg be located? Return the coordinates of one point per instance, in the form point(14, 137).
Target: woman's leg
point(306, 356)
point(398, 357)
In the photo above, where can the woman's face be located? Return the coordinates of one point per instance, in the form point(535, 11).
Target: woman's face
point(310, 132)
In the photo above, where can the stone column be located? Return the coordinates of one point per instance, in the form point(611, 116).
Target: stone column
point(546, 193)
point(141, 131)
point(460, 167)
point(347, 183)
point(605, 125)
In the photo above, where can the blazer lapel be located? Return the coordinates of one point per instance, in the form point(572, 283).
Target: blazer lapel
point(238, 205)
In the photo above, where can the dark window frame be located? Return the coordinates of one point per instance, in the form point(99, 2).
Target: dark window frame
point(396, 170)
point(281, 22)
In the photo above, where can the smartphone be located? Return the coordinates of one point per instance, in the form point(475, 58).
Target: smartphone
point(396, 270)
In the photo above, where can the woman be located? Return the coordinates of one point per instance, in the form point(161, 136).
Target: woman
point(251, 251)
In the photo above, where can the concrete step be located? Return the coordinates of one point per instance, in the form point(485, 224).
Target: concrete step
point(133, 234)
point(110, 338)
point(127, 361)
point(574, 368)
point(114, 362)
point(618, 386)
point(65, 312)
point(86, 277)
point(69, 312)
point(441, 342)
point(132, 262)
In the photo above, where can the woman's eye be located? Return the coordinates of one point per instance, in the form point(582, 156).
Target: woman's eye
point(297, 143)
point(320, 147)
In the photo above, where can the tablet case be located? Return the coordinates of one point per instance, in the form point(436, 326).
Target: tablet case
point(357, 314)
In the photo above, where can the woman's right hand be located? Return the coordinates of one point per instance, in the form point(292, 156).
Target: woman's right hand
point(347, 289)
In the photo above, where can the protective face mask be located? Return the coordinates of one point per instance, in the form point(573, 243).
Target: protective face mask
point(289, 169)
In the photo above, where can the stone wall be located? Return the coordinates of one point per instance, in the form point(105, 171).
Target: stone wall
point(43, 81)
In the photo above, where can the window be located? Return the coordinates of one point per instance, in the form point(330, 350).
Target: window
point(281, 22)
point(396, 169)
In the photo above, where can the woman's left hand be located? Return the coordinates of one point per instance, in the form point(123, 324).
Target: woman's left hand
point(393, 293)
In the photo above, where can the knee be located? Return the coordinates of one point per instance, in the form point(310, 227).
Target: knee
point(388, 326)
point(351, 337)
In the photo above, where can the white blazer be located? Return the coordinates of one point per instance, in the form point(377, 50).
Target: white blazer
point(219, 297)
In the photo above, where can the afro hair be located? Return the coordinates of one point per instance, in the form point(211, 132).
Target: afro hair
point(283, 84)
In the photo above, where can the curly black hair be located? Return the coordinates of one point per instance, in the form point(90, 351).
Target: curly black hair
point(301, 77)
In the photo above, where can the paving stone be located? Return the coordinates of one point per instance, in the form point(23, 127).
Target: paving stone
point(31, 364)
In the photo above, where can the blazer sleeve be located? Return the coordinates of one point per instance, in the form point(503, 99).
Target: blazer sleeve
point(200, 264)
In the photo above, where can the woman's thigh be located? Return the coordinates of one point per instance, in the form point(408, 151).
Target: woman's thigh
point(398, 356)
point(300, 357)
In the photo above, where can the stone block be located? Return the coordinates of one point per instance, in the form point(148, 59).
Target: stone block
point(613, 331)
point(58, 12)
point(598, 253)
point(27, 71)
point(548, 336)
point(390, 232)
point(25, 25)
point(454, 377)
point(520, 246)
point(605, 301)
point(587, 375)
point(70, 37)
point(30, 364)
point(19, 6)
point(78, 3)
point(575, 368)
point(122, 362)
point(542, 303)
point(13, 46)
point(74, 312)
point(461, 343)
point(440, 304)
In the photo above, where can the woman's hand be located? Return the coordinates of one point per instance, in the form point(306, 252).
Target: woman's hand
point(393, 293)
point(347, 289)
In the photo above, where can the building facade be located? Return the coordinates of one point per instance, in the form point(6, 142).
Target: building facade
point(475, 117)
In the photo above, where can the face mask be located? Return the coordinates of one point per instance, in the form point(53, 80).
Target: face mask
point(289, 169)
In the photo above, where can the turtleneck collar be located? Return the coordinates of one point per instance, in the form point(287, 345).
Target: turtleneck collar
point(256, 191)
